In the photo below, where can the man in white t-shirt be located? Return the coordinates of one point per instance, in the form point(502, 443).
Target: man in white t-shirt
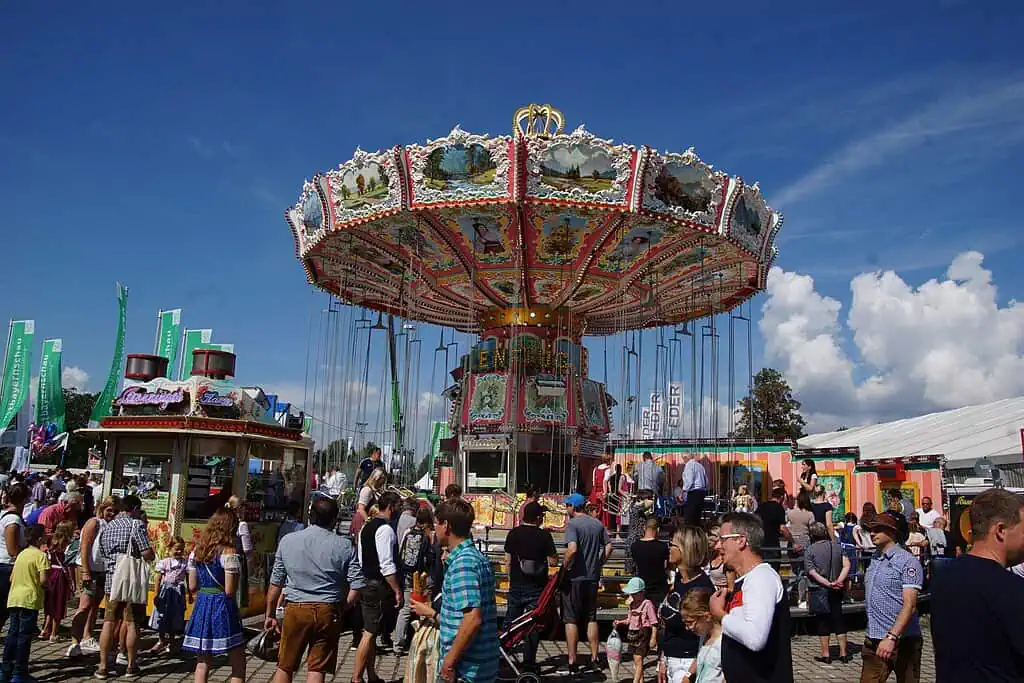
point(755, 615)
point(926, 515)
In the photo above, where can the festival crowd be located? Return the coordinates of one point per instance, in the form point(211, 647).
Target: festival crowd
point(705, 600)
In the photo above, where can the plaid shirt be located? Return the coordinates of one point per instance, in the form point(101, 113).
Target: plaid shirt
point(114, 541)
point(469, 583)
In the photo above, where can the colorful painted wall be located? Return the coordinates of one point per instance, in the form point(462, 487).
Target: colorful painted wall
point(847, 486)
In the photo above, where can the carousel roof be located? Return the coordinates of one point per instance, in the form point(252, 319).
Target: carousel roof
point(469, 230)
point(963, 435)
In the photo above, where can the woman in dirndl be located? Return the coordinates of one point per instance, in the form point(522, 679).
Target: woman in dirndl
point(216, 627)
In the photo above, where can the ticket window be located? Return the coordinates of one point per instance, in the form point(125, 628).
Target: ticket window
point(210, 476)
point(277, 480)
point(485, 471)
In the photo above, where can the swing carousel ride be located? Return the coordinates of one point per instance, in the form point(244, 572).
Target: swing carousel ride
point(528, 243)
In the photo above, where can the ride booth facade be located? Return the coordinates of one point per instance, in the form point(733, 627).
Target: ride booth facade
point(849, 481)
point(185, 447)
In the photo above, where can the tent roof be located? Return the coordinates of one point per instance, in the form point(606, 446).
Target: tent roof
point(962, 435)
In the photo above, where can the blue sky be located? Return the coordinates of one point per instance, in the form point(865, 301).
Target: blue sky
point(161, 147)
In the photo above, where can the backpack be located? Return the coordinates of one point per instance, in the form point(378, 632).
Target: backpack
point(846, 535)
point(413, 557)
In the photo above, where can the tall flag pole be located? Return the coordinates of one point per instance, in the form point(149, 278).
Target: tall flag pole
point(17, 364)
point(104, 401)
point(168, 334)
point(50, 396)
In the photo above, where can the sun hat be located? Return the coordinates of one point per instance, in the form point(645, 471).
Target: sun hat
point(635, 585)
point(883, 521)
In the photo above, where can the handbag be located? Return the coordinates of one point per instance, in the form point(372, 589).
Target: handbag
point(130, 583)
point(819, 597)
point(264, 646)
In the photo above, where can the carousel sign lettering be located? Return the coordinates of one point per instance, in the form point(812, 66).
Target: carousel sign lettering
point(137, 396)
point(212, 398)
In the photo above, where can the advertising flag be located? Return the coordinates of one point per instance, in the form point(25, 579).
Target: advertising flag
point(168, 335)
point(675, 407)
point(50, 396)
point(194, 339)
point(16, 377)
point(105, 399)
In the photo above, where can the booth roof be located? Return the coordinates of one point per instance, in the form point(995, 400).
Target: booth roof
point(962, 435)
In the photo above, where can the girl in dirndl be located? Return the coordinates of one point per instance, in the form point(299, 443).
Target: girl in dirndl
point(216, 627)
point(168, 618)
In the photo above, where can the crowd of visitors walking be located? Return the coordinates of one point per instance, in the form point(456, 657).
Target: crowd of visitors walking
point(705, 600)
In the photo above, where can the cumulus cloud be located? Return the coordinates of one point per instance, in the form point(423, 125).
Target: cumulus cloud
point(944, 344)
point(74, 377)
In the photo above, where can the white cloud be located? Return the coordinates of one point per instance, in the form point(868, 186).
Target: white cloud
point(74, 377)
point(941, 345)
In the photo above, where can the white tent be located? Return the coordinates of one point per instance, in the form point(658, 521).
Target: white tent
point(426, 483)
point(962, 436)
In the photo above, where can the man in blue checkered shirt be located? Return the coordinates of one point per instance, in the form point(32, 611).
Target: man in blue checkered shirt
point(469, 635)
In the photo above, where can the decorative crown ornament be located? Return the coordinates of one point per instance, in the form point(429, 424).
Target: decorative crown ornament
point(538, 120)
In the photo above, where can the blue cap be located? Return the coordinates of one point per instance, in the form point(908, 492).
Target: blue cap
point(635, 585)
point(576, 500)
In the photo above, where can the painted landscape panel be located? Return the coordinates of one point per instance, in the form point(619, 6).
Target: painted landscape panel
point(568, 166)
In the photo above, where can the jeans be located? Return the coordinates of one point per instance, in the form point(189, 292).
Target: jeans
point(5, 589)
point(522, 600)
point(404, 617)
point(19, 640)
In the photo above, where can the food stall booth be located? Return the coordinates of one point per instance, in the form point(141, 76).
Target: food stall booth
point(185, 447)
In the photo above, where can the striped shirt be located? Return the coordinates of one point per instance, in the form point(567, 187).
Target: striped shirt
point(468, 584)
point(888, 574)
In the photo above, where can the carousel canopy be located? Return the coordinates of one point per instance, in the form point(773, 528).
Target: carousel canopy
point(537, 228)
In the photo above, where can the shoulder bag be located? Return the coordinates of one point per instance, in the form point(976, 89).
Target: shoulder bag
point(130, 582)
point(818, 597)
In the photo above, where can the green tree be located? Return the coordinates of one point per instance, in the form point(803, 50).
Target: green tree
point(770, 412)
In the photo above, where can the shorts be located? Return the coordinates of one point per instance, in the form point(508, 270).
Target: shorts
point(377, 602)
point(127, 611)
point(579, 603)
point(639, 641)
point(316, 625)
point(831, 621)
point(675, 667)
point(93, 588)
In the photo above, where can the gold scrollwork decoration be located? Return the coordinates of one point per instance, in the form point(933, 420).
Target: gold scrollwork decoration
point(538, 120)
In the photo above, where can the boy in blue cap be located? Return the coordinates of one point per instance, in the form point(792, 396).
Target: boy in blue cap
point(640, 621)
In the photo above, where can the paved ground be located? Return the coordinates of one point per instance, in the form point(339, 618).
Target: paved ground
point(49, 665)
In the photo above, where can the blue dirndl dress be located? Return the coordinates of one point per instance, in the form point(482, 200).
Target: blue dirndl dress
point(215, 626)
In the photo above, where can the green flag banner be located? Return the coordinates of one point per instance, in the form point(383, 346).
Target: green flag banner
point(17, 363)
point(168, 334)
point(194, 339)
point(50, 396)
point(106, 398)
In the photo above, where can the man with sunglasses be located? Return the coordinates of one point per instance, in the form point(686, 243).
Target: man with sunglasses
point(755, 615)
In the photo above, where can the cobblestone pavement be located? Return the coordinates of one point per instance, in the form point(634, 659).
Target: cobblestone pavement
point(49, 664)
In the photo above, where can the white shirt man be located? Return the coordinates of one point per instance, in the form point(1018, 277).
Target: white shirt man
point(926, 514)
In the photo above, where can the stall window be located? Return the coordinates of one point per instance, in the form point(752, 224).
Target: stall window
point(211, 475)
point(277, 480)
point(484, 471)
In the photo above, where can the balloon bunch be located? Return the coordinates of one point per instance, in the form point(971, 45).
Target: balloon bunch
point(40, 437)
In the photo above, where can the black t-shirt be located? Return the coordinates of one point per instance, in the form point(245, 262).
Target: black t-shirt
point(977, 629)
point(676, 640)
point(821, 512)
point(650, 558)
point(530, 543)
point(773, 517)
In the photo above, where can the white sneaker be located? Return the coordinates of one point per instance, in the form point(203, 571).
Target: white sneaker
point(74, 651)
point(802, 605)
point(89, 646)
point(122, 659)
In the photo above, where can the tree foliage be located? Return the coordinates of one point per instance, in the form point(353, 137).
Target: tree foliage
point(771, 411)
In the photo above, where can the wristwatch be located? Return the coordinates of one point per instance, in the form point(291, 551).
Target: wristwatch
point(893, 637)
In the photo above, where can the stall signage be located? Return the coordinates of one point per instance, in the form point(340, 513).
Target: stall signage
point(137, 396)
point(593, 448)
point(212, 398)
point(156, 504)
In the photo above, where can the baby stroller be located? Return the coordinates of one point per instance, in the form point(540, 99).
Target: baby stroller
point(538, 620)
